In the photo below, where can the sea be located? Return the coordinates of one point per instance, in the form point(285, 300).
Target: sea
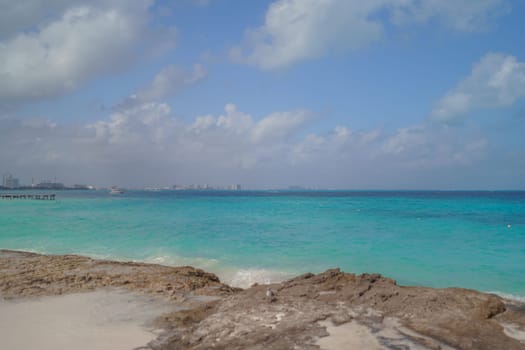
point(430, 238)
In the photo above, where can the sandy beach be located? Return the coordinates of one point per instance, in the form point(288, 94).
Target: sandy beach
point(106, 320)
point(69, 301)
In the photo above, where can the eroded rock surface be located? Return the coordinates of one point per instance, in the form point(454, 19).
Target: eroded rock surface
point(25, 274)
point(309, 307)
point(331, 310)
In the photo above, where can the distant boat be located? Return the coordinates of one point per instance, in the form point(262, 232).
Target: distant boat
point(116, 190)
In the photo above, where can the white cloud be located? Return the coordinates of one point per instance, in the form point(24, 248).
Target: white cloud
point(234, 121)
point(276, 128)
point(169, 81)
point(427, 147)
point(62, 53)
point(497, 80)
point(146, 142)
point(278, 125)
point(148, 121)
point(303, 29)
point(296, 30)
point(339, 145)
point(147, 145)
point(461, 15)
point(234, 140)
point(26, 14)
point(143, 143)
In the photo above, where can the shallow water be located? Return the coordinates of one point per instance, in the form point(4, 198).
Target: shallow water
point(440, 239)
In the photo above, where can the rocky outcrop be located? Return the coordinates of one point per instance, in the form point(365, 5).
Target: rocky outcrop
point(331, 310)
point(25, 274)
point(303, 310)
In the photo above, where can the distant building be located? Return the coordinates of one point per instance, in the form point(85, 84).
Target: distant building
point(206, 187)
point(9, 181)
point(50, 185)
point(80, 187)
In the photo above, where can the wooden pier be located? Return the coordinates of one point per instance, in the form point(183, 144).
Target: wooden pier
point(44, 197)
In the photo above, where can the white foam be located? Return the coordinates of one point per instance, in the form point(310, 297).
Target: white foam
point(233, 276)
point(244, 278)
point(175, 260)
point(513, 297)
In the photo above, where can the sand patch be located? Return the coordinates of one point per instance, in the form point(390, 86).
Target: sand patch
point(97, 320)
point(379, 334)
point(350, 336)
point(514, 331)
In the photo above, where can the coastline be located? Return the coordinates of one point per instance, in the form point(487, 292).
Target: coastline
point(308, 312)
point(419, 238)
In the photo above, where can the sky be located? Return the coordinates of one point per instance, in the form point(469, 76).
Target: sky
point(331, 94)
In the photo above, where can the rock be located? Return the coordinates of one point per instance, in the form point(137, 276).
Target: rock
point(28, 274)
point(340, 308)
point(397, 316)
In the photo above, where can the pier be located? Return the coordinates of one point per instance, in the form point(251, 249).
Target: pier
point(45, 197)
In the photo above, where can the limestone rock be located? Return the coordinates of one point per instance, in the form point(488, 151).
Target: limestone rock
point(330, 310)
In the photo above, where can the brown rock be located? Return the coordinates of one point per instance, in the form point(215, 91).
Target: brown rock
point(298, 313)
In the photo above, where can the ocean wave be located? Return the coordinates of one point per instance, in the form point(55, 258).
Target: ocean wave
point(244, 278)
point(234, 276)
point(513, 297)
point(231, 275)
point(176, 260)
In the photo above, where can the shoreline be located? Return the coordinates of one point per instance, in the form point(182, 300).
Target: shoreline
point(238, 277)
point(310, 311)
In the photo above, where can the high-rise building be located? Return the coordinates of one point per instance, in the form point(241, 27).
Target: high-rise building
point(9, 181)
point(48, 185)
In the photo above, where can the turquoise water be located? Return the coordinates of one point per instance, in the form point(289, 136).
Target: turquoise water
point(440, 239)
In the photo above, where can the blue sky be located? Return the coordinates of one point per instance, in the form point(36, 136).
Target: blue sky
point(383, 94)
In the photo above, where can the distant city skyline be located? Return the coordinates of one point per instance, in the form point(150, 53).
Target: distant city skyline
point(11, 182)
point(415, 94)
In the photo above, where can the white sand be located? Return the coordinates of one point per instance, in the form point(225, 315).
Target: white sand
point(348, 336)
point(96, 320)
point(514, 331)
point(387, 334)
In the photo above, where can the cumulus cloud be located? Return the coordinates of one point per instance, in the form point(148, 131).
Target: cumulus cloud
point(242, 142)
point(422, 145)
point(149, 137)
point(146, 144)
point(303, 29)
point(296, 30)
point(128, 129)
point(25, 14)
point(58, 54)
point(497, 80)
